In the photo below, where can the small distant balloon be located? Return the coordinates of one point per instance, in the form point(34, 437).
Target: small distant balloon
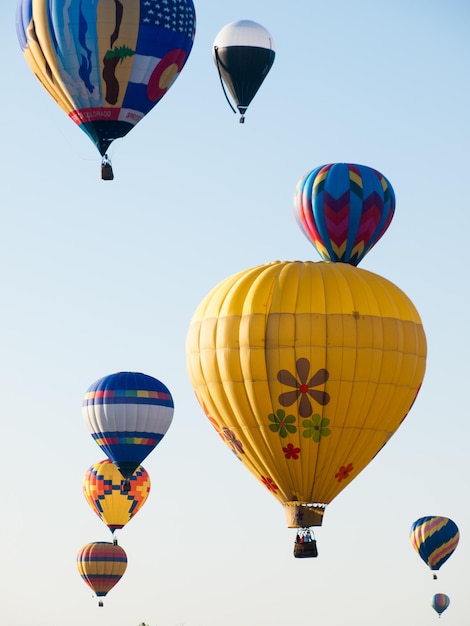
point(440, 602)
point(101, 565)
point(127, 414)
point(113, 499)
point(435, 539)
point(243, 52)
point(343, 209)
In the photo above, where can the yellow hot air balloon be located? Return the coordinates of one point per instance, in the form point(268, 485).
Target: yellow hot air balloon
point(306, 370)
point(114, 500)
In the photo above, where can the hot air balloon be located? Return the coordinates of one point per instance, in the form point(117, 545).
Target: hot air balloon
point(243, 52)
point(435, 539)
point(101, 565)
point(343, 209)
point(440, 603)
point(127, 414)
point(306, 370)
point(110, 497)
point(105, 62)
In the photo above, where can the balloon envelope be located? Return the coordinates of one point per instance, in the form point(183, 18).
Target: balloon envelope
point(127, 414)
point(103, 490)
point(243, 52)
point(440, 602)
point(106, 63)
point(434, 538)
point(101, 565)
point(343, 209)
point(306, 370)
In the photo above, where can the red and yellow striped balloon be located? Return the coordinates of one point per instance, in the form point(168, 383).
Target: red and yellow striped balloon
point(101, 565)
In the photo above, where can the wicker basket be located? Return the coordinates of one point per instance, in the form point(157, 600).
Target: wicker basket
point(305, 550)
point(107, 171)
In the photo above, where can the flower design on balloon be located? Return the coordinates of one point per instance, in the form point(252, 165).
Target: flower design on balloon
point(316, 427)
point(282, 423)
point(291, 452)
point(269, 483)
point(304, 387)
point(344, 472)
point(231, 439)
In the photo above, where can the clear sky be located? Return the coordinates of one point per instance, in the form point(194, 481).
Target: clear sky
point(100, 276)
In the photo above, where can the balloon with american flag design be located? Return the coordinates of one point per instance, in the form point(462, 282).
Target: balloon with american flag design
point(106, 63)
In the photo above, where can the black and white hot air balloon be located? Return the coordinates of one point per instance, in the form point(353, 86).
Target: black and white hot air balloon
point(243, 52)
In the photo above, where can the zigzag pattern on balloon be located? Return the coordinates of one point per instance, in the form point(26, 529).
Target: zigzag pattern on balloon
point(337, 221)
point(373, 207)
point(336, 215)
point(343, 209)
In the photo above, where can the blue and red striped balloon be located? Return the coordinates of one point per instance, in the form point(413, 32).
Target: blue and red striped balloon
point(435, 539)
point(343, 209)
point(440, 602)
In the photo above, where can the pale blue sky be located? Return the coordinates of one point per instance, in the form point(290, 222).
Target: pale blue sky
point(99, 277)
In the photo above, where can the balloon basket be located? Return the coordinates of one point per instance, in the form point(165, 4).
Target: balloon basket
point(106, 169)
point(307, 550)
